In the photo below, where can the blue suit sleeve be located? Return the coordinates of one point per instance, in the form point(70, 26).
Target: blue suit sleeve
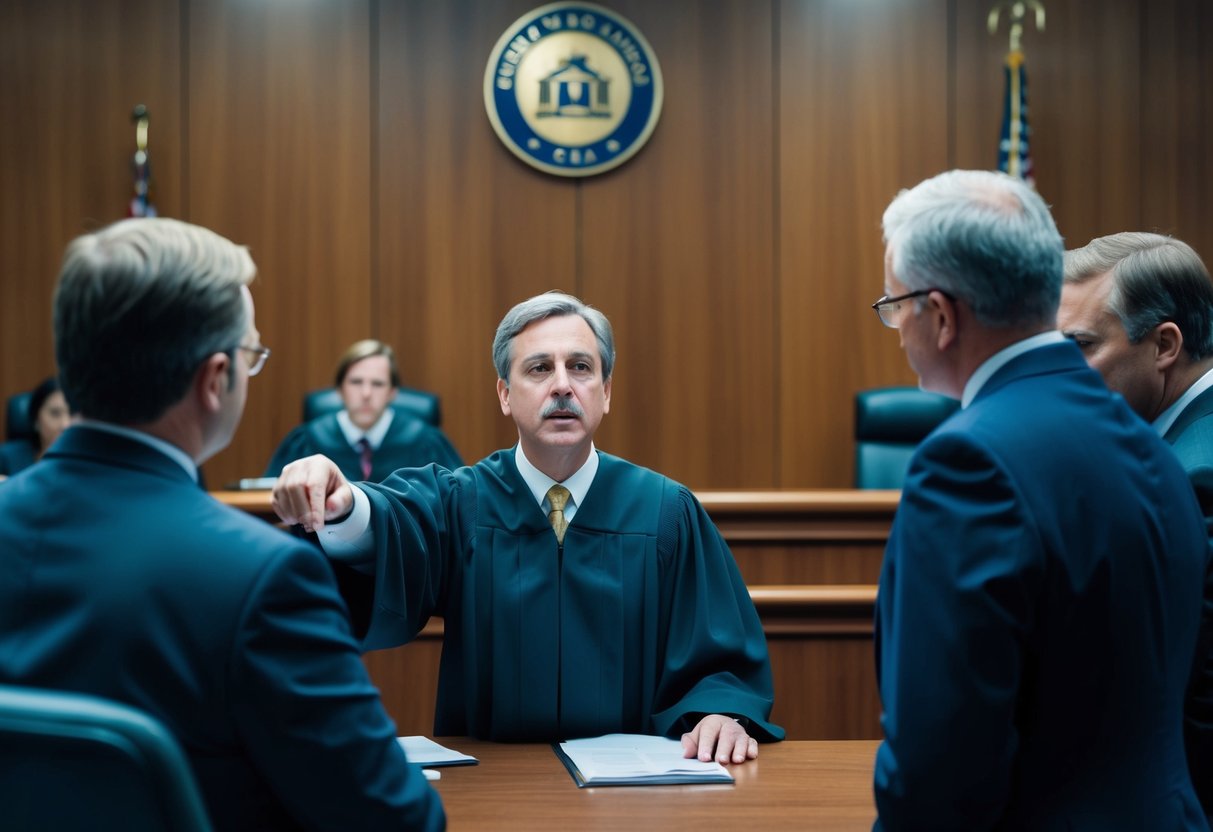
point(311, 719)
point(952, 615)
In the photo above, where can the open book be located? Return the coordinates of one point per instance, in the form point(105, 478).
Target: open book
point(635, 760)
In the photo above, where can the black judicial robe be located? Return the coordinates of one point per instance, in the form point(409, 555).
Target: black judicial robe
point(639, 623)
point(409, 442)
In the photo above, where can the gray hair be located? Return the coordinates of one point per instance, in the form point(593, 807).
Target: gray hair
point(138, 307)
point(552, 304)
point(982, 237)
point(1155, 278)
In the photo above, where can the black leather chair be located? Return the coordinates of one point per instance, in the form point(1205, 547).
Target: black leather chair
point(419, 403)
point(71, 761)
point(889, 424)
point(16, 418)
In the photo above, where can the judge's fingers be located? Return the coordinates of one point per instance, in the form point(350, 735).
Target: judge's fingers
point(690, 743)
point(303, 489)
point(710, 729)
point(733, 744)
point(745, 748)
point(285, 499)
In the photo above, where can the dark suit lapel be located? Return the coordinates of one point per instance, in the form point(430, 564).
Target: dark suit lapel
point(1202, 405)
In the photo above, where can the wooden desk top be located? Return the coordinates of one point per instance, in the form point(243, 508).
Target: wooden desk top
point(819, 785)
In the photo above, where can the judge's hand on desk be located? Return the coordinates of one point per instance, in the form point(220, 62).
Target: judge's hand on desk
point(721, 738)
point(310, 492)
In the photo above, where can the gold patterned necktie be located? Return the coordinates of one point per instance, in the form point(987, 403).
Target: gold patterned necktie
point(558, 495)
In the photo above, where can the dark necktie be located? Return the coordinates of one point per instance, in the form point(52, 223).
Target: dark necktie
point(558, 495)
point(364, 447)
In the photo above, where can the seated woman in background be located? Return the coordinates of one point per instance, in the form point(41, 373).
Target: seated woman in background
point(48, 417)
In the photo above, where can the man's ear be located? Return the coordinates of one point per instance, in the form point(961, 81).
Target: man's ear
point(212, 381)
point(1168, 344)
point(945, 316)
point(503, 395)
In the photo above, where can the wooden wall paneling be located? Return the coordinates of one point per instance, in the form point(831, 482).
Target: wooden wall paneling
point(279, 160)
point(466, 230)
point(863, 112)
point(826, 563)
point(825, 688)
point(407, 678)
point(1177, 122)
point(677, 249)
point(72, 73)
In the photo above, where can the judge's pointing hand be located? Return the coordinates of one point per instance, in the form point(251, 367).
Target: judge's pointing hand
point(311, 491)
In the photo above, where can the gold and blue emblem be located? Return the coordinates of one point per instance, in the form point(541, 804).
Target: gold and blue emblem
point(573, 89)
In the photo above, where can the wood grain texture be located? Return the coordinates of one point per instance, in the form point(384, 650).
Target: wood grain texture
point(1177, 122)
point(863, 112)
point(678, 250)
point(737, 254)
point(1084, 108)
point(465, 229)
point(279, 160)
point(822, 786)
point(71, 72)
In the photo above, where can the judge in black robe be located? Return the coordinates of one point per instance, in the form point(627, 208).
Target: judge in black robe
point(638, 621)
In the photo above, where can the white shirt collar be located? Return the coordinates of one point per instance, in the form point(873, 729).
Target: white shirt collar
point(999, 359)
point(539, 482)
point(167, 448)
point(1167, 418)
point(375, 435)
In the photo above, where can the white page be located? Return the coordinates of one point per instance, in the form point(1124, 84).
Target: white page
point(424, 751)
point(634, 755)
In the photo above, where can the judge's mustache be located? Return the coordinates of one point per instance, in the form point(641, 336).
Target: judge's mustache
point(562, 404)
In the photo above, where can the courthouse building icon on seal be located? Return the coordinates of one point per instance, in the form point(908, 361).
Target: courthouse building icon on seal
point(573, 89)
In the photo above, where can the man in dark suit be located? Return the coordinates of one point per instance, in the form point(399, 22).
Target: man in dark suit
point(120, 577)
point(1140, 307)
point(1041, 592)
point(368, 438)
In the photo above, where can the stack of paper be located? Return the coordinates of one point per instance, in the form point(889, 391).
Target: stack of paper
point(635, 760)
point(425, 752)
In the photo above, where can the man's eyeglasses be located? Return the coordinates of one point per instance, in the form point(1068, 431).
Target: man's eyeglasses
point(888, 309)
point(259, 355)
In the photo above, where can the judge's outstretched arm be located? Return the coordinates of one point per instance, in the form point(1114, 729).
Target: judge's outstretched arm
point(311, 492)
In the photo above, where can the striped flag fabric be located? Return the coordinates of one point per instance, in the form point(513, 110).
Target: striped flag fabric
point(1013, 147)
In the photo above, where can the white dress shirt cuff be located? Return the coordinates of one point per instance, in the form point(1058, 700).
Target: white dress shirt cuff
point(351, 541)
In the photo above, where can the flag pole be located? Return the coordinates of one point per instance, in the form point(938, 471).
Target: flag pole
point(1013, 147)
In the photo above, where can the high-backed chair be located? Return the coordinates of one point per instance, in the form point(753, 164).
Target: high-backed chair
point(16, 418)
point(419, 403)
point(71, 761)
point(889, 424)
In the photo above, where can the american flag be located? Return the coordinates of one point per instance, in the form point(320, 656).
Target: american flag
point(1013, 147)
point(141, 168)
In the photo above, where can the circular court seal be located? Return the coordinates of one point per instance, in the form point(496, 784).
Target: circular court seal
point(573, 89)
